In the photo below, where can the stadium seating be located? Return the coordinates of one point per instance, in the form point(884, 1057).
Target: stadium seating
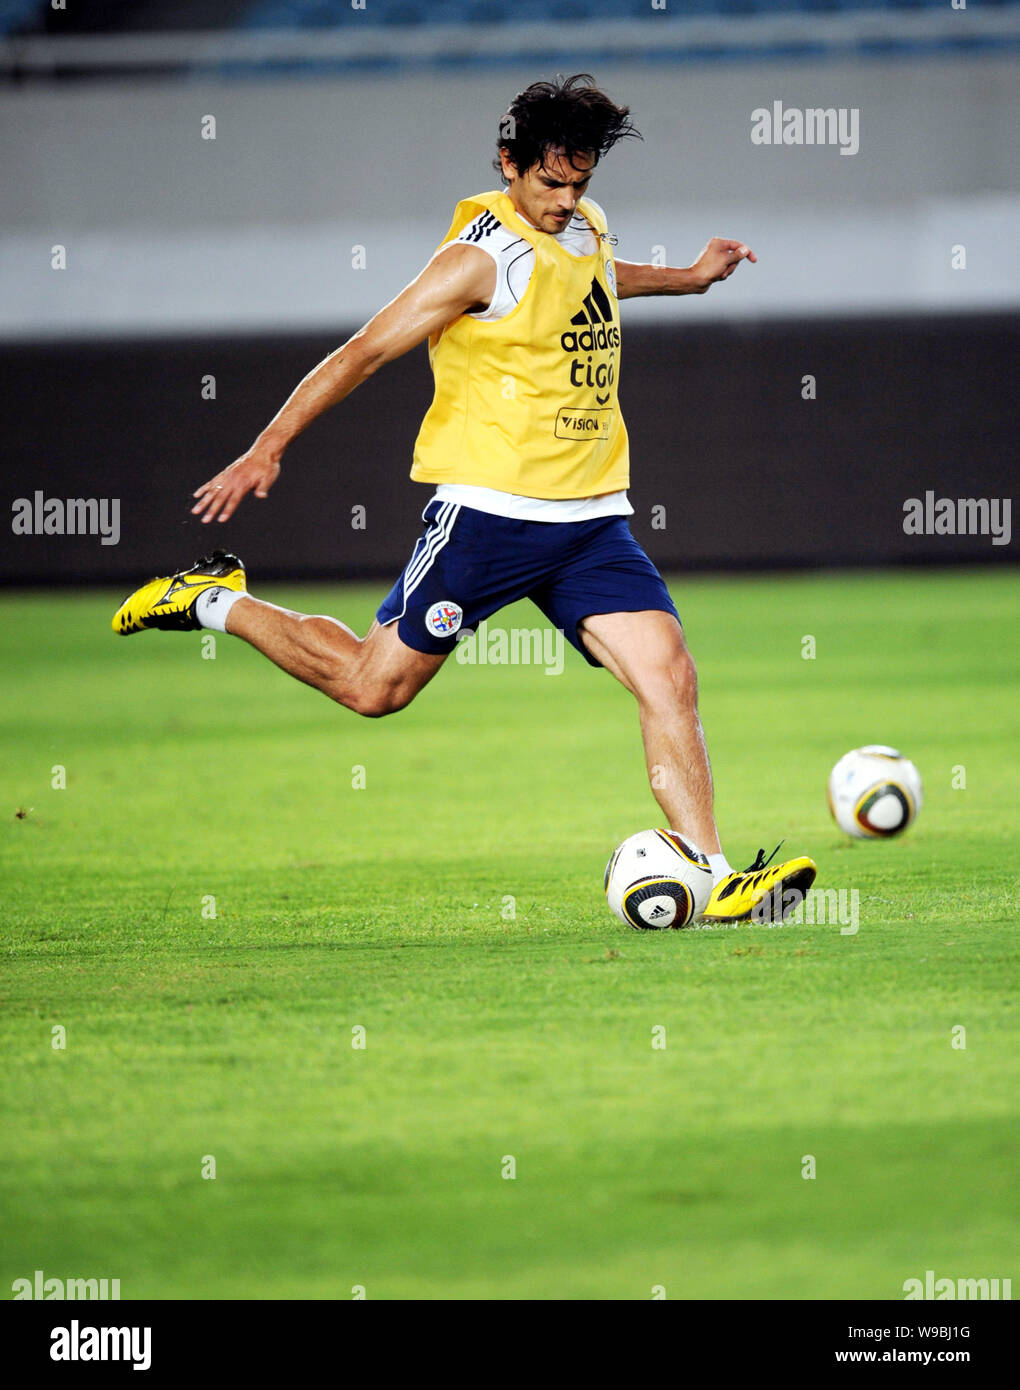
point(36, 17)
point(302, 13)
point(16, 15)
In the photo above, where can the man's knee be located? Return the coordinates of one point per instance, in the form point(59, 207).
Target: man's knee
point(375, 700)
point(672, 679)
point(383, 676)
point(685, 676)
point(372, 694)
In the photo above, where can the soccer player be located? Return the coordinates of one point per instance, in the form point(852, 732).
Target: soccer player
point(527, 451)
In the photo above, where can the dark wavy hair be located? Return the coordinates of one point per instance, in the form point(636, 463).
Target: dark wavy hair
point(570, 114)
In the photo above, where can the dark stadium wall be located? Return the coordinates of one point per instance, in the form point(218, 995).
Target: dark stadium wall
point(734, 464)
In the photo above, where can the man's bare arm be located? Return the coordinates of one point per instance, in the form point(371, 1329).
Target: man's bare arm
point(459, 278)
point(717, 261)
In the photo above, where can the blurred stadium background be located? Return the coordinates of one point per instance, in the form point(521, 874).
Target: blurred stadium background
point(343, 137)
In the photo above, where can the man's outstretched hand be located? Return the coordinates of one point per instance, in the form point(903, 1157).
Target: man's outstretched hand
point(719, 260)
point(254, 471)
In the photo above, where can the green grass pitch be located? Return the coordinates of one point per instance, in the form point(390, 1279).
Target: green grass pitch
point(197, 784)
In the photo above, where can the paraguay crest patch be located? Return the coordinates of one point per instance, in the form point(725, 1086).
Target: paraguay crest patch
point(444, 618)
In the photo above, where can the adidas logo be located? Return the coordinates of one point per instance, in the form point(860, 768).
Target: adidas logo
point(658, 911)
point(595, 320)
point(484, 224)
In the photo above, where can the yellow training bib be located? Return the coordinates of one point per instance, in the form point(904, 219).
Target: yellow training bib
point(527, 404)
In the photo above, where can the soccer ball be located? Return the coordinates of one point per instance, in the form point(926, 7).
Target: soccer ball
point(874, 792)
point(656, 879)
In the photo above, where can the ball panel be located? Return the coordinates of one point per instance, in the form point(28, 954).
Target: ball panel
point(885, 809)
point(655, 904)
point(874, 792)
point(685, 849)
point(651, 865)
point(609, 868)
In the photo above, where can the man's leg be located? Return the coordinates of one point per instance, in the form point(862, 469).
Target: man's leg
point(373, 675)
point(646, 651)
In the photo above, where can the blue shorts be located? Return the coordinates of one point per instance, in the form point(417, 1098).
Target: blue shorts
point(469, 564)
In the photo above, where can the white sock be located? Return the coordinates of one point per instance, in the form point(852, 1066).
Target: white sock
point(718, 863)
point(212, 607)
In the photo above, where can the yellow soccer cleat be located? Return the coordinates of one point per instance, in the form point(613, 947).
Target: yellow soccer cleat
point(169, 602)
point(760, 893)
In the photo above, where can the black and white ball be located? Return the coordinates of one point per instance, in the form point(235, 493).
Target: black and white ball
point(657, 880)
point(874, 792)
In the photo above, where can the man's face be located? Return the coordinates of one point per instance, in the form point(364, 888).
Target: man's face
point(548, 193)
